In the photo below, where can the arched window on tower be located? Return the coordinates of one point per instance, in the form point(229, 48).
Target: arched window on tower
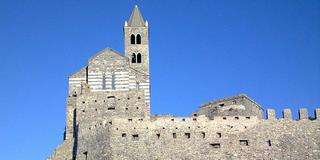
point(133, 58)
point(138, 39)
point(138, 58)
point(133, 39)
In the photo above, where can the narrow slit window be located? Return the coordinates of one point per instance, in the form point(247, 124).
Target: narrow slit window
point(203, 134)
point(158, 135)
point(269, 142)
point(187, 135)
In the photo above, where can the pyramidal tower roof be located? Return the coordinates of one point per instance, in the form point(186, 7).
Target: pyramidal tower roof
point(136, 19)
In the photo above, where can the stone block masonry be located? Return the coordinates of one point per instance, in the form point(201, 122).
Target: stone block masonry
point(108, 116)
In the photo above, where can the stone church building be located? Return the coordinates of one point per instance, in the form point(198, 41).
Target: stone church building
point(108, 116)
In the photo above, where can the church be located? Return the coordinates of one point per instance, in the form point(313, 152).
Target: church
point(108, 116)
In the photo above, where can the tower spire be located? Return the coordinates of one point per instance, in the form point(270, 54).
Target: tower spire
point(136, 19)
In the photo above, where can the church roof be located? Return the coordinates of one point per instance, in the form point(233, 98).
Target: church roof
point(136, 19)
point(109, 50)
point(231, 98)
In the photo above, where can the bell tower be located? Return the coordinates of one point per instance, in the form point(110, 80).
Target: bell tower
point(136, 41)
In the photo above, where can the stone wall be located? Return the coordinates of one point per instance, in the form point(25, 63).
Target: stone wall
point(229, 137)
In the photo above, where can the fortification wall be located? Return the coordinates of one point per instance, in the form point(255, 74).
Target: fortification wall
point(227, 137)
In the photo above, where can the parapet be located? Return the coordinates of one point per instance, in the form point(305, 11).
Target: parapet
point(287, 114)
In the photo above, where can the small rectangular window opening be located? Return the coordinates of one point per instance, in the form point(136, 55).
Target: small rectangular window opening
point(158, 135)
point(219, 135)
point(124, 135)
point(244, 142)
point(215, 145)
point(224, 118)
point(187, 135)
point(203, 135)
point(236, 118)
point(194, 119)
point(174, 135)
point(130, 120)
point(111, 108)
point(247, 117)
point(135, 137)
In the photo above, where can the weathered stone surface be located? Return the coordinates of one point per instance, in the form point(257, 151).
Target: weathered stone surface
point(108, 117)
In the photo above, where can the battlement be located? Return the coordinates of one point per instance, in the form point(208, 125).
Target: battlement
point(287, 114)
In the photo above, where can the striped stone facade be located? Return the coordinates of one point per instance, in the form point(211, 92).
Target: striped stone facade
point(119, 77)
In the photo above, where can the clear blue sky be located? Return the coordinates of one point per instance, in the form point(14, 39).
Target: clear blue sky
point(200, 51)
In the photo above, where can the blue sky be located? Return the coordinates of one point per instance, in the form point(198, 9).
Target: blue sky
point(200, 51)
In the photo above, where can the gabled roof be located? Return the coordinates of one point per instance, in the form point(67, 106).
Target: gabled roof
point(231, 98)
point(136, 19)
point(106, 50)
point(79, 73)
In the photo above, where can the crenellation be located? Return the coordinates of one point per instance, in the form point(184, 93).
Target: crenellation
point(287, 114)
point(271, 114)
point(108, 116)
point(303, 114)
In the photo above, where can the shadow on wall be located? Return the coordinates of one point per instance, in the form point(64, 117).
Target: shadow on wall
point(75, 135)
